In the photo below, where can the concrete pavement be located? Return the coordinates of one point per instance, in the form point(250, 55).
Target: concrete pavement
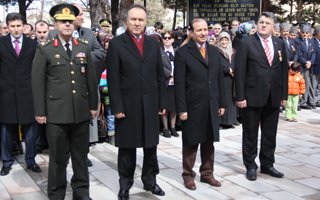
point(297, 156)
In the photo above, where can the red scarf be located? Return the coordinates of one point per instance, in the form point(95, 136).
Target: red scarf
point(139, 44)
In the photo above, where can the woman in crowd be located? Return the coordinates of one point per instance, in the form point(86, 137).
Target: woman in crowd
point(168, 52)
point(225, 47)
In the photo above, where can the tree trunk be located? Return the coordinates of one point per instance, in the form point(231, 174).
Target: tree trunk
point(114, 15)
point(266, 5)
point(41, 10)
point(97, 11)
point(291, 11)
point(22, 8)
point(124, 5)
point(175, 16)
point(299, 11)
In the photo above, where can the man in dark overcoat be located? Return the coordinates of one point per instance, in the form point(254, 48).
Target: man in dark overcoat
point(16, 104)
point(200, 101)
point(64, 87)
point(261, 78)
point(136, 88)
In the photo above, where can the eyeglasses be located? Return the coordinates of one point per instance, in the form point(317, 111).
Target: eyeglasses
point(167, 38)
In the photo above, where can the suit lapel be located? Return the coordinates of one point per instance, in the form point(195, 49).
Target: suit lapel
point(25, 45)
point(194, 51)
point(9, 45)
point(146, 45)
point(129, 44)
point(75, 49)
point(276, 51)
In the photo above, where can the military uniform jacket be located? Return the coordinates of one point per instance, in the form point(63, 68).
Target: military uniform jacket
point(64, 89)
point(16, 104)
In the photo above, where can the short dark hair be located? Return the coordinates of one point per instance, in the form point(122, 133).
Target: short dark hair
point(15, 16)
point(136, 6)
point(268, 15)
point(41, 23)
point(194, 21)
point(158, 25)
point(28, 24)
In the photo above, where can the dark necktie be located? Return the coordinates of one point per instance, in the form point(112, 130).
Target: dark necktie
point(68, 50)
point(171, 57)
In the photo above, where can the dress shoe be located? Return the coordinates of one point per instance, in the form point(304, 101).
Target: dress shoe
point(174, 132)
point(5, 171)
point(318, 104)
point(190, 185)
point(155, 189)
point(272, 172)
point(34, 168)
point(313, 106)
point(166, 133)
point(251, 174)
point(307, 107)
point(123, 195)
point(211, 181)
point(89, 163)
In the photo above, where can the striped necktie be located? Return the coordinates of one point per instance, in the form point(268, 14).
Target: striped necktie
point(267, 51)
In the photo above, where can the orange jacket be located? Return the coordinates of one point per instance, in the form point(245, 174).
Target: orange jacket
point(296, 83)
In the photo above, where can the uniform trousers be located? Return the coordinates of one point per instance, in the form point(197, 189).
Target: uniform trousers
point(127, 165)
point(267, 116)
point(63, 138)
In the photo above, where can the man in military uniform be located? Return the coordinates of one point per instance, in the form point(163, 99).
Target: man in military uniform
point(65, 97)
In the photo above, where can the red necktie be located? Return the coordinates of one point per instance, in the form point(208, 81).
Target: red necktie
point(267, 51)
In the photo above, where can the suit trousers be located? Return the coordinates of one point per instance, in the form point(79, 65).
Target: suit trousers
point(309, 96)
point(189, 153)
point(9, 130)
point(267, 116)
point(63, 138)
point(127, 165)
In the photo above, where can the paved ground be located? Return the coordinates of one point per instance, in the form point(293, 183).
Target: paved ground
point(297, 155)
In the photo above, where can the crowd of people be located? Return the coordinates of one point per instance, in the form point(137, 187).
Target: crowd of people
point(65, 87)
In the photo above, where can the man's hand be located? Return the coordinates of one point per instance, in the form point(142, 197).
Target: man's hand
point(41, 119)
point(221, 111)
point(242, 104)
point(283, 103)
point(162, 112)
point(183, 116)
point(120, 115)
point(308, 64)
point(93, 113)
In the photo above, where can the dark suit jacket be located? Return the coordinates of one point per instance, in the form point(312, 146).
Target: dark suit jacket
point(199, 91)
point(166, 66)
point(98, 54)
point(16, 104)
point(255, 79)
point(291, 49)
point(316, 66)
point(64, 89)
point(136, 87)
point(305, 55)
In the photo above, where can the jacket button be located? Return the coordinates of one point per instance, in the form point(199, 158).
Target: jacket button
point(73, 82)
point(72, 72)
point(73, 91)
point(71, 63)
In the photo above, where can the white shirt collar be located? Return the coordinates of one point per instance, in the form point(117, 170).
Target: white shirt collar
point(198, 45)
point(63, 42)
point(13, 39)
point(268, 38)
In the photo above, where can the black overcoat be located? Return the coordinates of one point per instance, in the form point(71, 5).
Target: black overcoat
point(16, 103)
point(200, 91)
point(136, 88)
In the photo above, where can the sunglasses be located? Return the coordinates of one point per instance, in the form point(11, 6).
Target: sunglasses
point(65, 21)
point(167, 38)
